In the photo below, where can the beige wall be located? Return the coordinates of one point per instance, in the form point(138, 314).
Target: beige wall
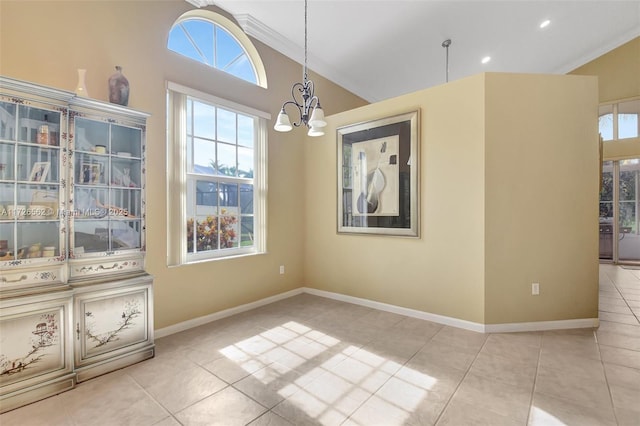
point(443, 271)
point(541, 195)
point(618, 73)
point(509, 185)
point(45, 42)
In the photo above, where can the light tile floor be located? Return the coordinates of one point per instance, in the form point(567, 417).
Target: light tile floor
point(309, 360)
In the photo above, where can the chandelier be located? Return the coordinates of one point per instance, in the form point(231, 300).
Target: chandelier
point(304, 100)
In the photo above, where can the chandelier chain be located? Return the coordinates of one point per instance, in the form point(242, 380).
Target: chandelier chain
point(304, 77)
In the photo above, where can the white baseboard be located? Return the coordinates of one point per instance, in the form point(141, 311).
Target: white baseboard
point(195, 322)
point(440, 319)
point(542, 325)
point(413, 313)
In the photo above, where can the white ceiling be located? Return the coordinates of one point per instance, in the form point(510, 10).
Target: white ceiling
point(384, 48)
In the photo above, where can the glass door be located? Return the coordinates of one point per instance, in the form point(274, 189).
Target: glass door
point(606, 211)
point(107, 187)
point(619, 204)
point(30, 183)
point(628, 232)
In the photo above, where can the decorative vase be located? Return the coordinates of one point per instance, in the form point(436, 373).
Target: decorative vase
point(81, 88)
point(118, 88)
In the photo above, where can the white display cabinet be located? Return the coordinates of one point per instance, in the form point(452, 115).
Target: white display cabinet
point(75, 300)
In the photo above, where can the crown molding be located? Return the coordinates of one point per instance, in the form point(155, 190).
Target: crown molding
point(200, 3)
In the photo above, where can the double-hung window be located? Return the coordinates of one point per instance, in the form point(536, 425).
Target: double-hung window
point(217, 177)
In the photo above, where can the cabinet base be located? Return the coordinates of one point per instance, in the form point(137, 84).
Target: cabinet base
point(112, 364)
point(37, 392)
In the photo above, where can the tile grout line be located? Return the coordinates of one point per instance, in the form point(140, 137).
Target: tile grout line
point(535, 378)
point(606, 379)
point(466, 373)
point(153, 398)
point(390, 377)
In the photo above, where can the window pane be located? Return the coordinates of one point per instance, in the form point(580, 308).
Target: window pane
point(180, 43)
point(229, 198)
point(627, 217)
point(204, 154)
point(228, 231)
point(201, 32)
point(227, 159)
point(628, 125)
point(627, 185)
point(246, 231)
point(227, 48)
point(206, 198)
point(605, 122)
point(245, 162)
point(226, 126)
point(242, 68)
point(205, 235)
point(204, 117)
point(245, 131)
point(246, 199)
point(606, 191)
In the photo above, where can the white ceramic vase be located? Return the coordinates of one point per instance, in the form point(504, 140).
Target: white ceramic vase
point(81, 88)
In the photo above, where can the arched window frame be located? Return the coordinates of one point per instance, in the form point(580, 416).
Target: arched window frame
point(236, 32)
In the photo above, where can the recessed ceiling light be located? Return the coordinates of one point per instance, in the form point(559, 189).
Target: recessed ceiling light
point(545, 23)
point(486, 59)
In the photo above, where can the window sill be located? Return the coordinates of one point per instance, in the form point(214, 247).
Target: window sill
point(217, 259)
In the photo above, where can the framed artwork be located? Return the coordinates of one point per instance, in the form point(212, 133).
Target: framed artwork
point(90, 173)
point(39, 171)
point(378, 164)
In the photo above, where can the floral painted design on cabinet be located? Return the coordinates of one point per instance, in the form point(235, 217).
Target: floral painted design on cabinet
point(114, 322)
point(35, 346)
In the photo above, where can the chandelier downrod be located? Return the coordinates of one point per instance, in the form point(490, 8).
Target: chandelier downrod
point(446, 45)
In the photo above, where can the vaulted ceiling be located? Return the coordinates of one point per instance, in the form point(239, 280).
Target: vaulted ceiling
point(384, 48)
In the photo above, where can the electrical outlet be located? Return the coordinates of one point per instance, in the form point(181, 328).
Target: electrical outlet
point(281, 269)
point(535, 289)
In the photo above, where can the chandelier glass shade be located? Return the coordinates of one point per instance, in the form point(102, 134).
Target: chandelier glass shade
point(305, 101)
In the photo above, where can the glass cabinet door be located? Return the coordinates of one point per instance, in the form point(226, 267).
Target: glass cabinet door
point(30, 182)
point(107, 187)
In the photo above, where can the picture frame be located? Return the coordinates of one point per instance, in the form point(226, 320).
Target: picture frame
point(90, 173)
point(39, 171)
point(378, 176)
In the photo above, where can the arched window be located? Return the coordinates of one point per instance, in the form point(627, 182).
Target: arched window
point(214, 40)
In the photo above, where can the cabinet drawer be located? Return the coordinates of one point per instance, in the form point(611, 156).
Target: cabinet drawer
point(105, 266)
point(15, 281)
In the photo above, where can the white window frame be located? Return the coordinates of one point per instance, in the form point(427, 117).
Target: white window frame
point(177, 183)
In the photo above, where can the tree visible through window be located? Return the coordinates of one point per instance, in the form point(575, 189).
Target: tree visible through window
point(220, 172)
point(217, 195)
point(216, 148)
